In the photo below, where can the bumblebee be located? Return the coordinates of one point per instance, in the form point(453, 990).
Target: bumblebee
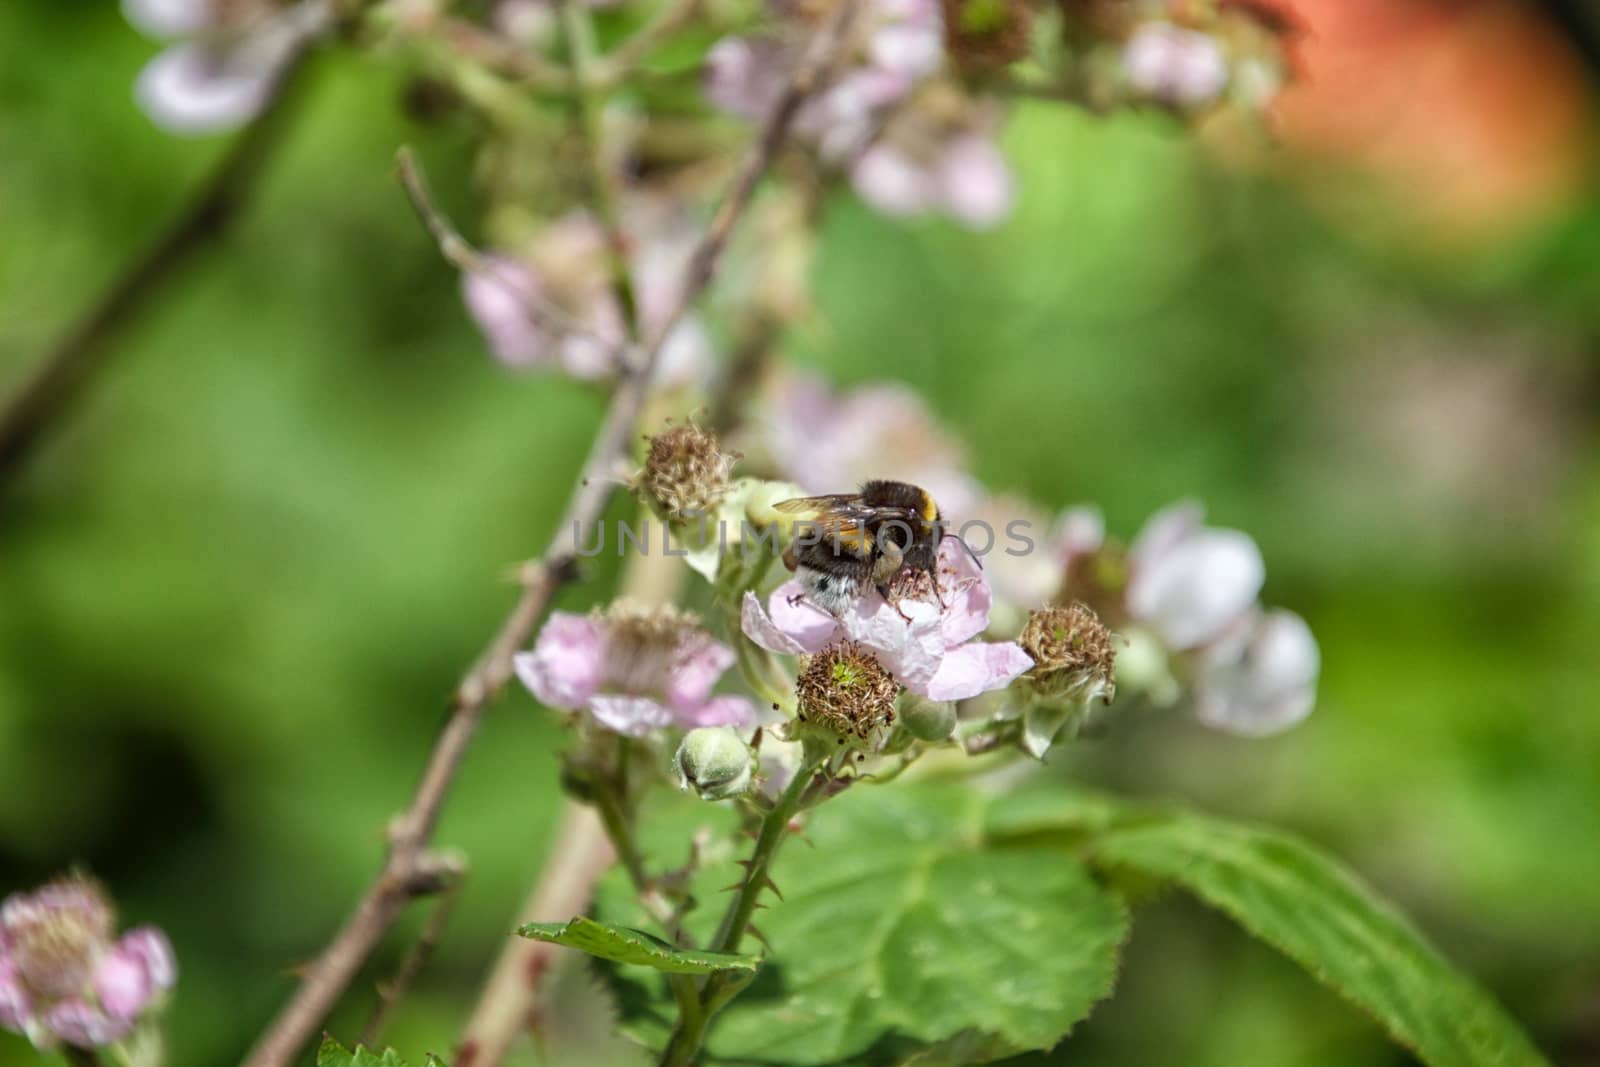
point(848, 543)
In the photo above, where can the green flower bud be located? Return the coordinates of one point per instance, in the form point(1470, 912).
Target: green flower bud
point(928, 720)
point(716, 762)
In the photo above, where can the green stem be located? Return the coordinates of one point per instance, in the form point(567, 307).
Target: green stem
point(690, 1032)
point(80, 1057)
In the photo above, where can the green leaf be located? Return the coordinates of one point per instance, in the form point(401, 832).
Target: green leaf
point(904, 934)
point(626, 945)
point(333, 1054)
point(1307, 906)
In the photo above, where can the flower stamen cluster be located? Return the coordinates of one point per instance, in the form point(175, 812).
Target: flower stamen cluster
point(1072, 652)
point(846, 692)
point(686, 473)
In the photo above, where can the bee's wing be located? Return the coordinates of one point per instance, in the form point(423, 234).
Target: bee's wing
point(819, 505)
point(841, 521)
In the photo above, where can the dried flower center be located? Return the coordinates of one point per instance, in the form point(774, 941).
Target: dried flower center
point(986, 34)
point(1070, 647)
point(686, 472)
point(645, 645)
point(845, 691)
point(57, 934)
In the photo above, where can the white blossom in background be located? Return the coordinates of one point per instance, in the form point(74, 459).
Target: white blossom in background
point(1190, 582)
point(1260, 679)
point(1185, 68)
point(1184, 599)
point(225, 58)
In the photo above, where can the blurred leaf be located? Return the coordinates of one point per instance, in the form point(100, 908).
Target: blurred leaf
point(333, 1054)
point(624, 945)
point(1317, 913)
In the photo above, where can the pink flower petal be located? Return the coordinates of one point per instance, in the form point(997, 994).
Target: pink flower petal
point(976, 668)
point(565, 667)
point(910, 646)
point(629, 716)
point(966, 594)
point(719, 711)
point(975, 182)
point(122, 984)
point(891, 182)
point(16, 1008)
point(138, 967)
point(497, 300)
point(760, 628)
point(77, 1023)
point(794, 614)
point(702, 661)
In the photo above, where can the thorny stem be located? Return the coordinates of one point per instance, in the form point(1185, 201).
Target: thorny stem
point(37, 405)
point(411, 867)
point(392, 992)
point(690, 1032)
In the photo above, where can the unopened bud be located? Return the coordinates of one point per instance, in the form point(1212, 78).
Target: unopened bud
point(928, 720)
point(846, 693)
point(686, 473)
point(715, 762)
point(1073, 656)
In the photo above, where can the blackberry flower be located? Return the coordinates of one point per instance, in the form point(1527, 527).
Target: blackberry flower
point(929, 648)
point(634, 669)
point(63, 976)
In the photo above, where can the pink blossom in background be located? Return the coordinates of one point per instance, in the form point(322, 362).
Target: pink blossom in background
point(565, 268)
point(899, 47)
point(830, 441)
point(63, 976)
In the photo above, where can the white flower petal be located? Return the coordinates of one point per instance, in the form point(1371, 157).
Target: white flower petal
point(891, 182)
point(629, 715)
point(1192, 591)
point(169, 18)
point(1266, 684)
point(193, 89)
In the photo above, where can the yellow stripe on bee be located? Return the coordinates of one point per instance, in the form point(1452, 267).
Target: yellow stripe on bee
point(853, 536)
point(930, 509)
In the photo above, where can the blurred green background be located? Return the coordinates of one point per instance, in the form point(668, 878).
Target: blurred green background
point(235, 590)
